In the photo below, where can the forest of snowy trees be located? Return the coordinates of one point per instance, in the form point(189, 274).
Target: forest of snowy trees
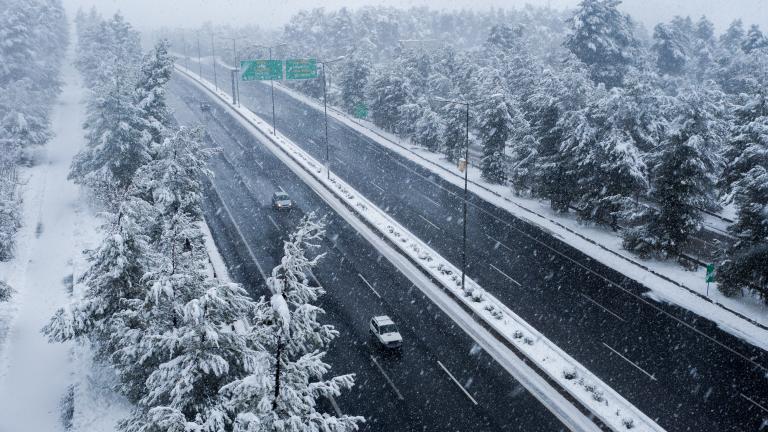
point(191, 352)
point(641, 131)
point(34, 37)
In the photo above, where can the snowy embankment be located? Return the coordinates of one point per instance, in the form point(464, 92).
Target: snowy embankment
point(35, 375)
point(558, 367)
point(745, 317)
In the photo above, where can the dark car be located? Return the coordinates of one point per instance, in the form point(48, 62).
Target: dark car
point(281, 201)
point(205, 107)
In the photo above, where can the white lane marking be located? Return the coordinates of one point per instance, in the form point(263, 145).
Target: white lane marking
point(602, 307)
point(630, 362)
point(259, 164)
point(431, 200)
point(335, 405)
point(399, 395)
point(273, 222)
point(369, 285)
point(240, 233)
point(339, 161)
point(377, 186)
point(498, 242)
point(754, 402)
point(504, 274)
point(457, 383)
point(427, 221)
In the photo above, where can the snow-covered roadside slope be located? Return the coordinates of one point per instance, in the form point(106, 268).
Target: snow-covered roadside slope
point(35, 374)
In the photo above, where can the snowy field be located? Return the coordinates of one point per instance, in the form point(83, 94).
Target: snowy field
point(35, 375)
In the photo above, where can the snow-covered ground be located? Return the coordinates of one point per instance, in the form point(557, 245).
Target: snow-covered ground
point(602, 400)
point(34, 374)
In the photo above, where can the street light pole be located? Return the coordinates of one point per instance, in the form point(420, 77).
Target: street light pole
point(325, 114)
point(213, 58)
point(466, 181)
point(466, 184)
point(199, 59)
point(272, 87)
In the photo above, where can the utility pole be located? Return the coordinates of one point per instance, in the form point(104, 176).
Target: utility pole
point(325, 113)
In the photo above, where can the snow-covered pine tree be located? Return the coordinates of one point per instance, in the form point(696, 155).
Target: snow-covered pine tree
point(602, 37)
point(496, 130)
point(154, 74)
point(196, 339)
point(172, 181)
point(603, 159)
point(684, 172)
point(743, 268)
point(754, 39)
point(113, 281)
point(282, 394)
point(704, 48)
point(733, 37)
point(556, 95)
point(747, 145)
point(117, 145)
point(454, 141)
point(5, 291)
point(388, 92)
point(671, 46)
point(429, 128)
point(354, 82)
point(522, 163)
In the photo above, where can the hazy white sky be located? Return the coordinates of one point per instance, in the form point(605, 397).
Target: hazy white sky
point(270, 13)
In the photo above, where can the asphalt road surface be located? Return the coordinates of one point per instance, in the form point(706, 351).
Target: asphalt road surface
point(441, 381)
point(677, 367)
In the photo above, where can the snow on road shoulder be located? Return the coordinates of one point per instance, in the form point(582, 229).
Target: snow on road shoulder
point(604, 246)
point(36, 374)
point(570, 375)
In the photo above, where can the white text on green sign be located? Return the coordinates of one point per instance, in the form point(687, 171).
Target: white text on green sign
point(261, 70)
point(301, 68)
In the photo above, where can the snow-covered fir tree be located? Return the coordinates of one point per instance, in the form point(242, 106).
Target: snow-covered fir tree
point(747, 145)
point(671, 46)
point(684, 173)
point(5, 291)
point(354, 82)
point(602, 37)
point(154, 74)
point(454, 137)
point(754, 40)
point(743, 268)
point(282, 393)
point(388, 93)
point(117, 145)
point(496, 129)
point(602, 152)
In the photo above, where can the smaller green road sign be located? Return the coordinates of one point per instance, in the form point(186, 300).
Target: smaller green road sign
point(361, 111)
point(261, 70)
point(301, 68)
point(710, 273)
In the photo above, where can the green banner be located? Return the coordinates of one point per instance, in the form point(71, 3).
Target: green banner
point(301, 68)
point(261, 70)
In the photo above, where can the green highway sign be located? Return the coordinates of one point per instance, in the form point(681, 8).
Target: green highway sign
point(301, 68)
point(261, 70)
point(361, 111)
point(710, 273)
